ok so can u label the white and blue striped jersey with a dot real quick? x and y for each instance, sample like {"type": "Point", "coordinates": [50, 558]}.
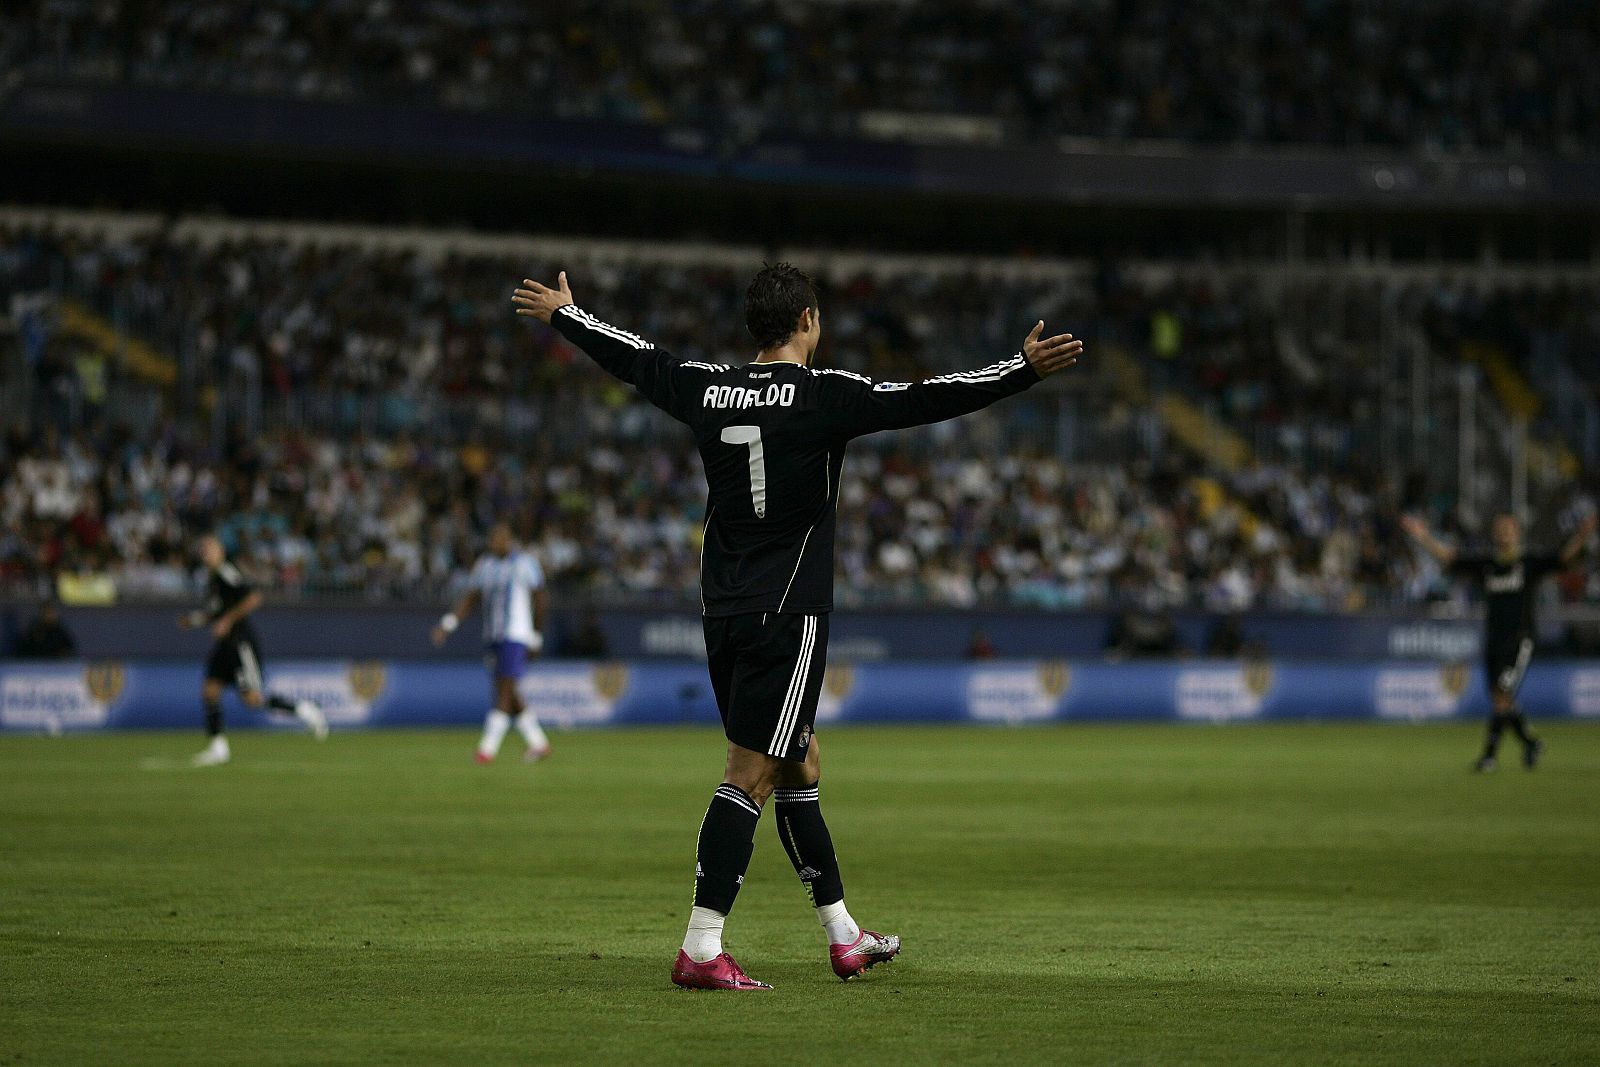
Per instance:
{"type": "Point", "coordinates": [506, 584]}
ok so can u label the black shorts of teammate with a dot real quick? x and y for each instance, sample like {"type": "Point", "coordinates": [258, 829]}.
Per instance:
{"type": "Point", "coordinates": [766, 670]}
{"type": "Point", "coordinates": [236, 662]}
{"type": "Point", "coordinates": [1505, 663]}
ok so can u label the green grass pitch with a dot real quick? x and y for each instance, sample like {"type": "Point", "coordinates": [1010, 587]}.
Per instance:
{"type": "Point", "coordinates": [1268, 894]}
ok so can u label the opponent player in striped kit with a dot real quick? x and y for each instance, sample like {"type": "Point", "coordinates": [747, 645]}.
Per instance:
{"type": "Point", "coordinates": [510, 584]}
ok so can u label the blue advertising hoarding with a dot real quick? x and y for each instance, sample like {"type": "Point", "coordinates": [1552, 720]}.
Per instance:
{"type": "Point", "coordinates": [60, 697]}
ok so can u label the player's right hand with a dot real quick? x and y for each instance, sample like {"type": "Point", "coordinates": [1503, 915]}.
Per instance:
{"type": "Point", "coordinates": [1051, 354]}
{"type": "Point", "coordinates": [438, 636]}
{"type": "Point", "coordinates": [1414, 526]}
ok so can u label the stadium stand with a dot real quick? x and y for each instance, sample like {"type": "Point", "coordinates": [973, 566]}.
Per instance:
{"type": "Point", "coordinates": [1435, 75]}
{"type": "Point", "coordinates": [189, 374]}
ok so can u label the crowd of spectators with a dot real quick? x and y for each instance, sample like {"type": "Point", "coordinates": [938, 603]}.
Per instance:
{"type": "Point", "coordinates": [922, 521]}
{"type": "Point", "coordinates": [610, 493]}
{"type": "Point", "coordinates": [1431, 74]}
{"type": "Point", "coordinates": [1299, 363]}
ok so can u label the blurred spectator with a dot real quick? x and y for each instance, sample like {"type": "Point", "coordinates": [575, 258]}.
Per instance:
{"type": "Point", "coordinates": [46, 637]}
{"type": "Point", "coordinates": [588, 639]}
{"type": "Point", "coordinates": [1225, 639]}
{"type": "Point", "coordinates": [1143, 633]}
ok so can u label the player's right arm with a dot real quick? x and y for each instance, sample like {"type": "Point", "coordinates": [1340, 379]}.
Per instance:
{"type": "Point", "coordinates": [1432, 545]}
{"type": "Point", "coordinates": [665, 382]}
{"type": "Point", "coordinates": [859, 405]}
{"type": "Point", "coordinates": [451, 620]}
{"type": "Point", "coordinates": [1578, 543]}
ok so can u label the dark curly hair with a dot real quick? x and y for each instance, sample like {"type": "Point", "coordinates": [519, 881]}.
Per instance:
{"type": "Point", "coordinates": [772, 305]}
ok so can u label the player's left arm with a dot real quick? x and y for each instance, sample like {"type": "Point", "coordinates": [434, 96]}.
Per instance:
{"type": "Point", "coordinates": [862, 406]}
{"type": "Point", "coordinates": [662, 379]}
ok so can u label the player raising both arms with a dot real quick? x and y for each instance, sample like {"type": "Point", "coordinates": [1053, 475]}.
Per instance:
{"type": "Point", "coordinates": [511, 585]}
{"type": "Point", "coordinates": [235, 657]}
{"type": "Point", "coordinates": [772, 434]}
{"type": "Point", "coordinates": [1508, 578]}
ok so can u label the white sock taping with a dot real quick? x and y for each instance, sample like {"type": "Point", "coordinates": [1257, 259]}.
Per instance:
{"type": "Point", "coordinates": [494, 732]}
{"type": "Point", "coordinates": [703, 941]}
{"type": "Point", "coordinates": [528, 726]}
{"type": "Point", "coordinates": [837, 924]}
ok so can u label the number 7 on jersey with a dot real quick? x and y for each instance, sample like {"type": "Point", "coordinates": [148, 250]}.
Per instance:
{"type": "Point", "coordinates": [751, 435]}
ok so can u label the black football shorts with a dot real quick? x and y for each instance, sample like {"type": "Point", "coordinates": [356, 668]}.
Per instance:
{"type": "Point", "coordinates": [235, 661]}
{"type": "Point", "coordinates": [1506, 664]}
{"type": "Point", "coordinates": [766, 670]}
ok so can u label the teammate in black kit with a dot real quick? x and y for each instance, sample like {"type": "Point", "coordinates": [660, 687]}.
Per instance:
{"type": "Point", "coordinates": [772, 434]}
{"type": "Point", "coordinates": [1508, 578]}
{"type": "Point", "coordinates": [235, 659]}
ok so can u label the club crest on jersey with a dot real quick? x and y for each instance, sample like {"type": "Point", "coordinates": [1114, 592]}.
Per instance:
{"type": "Point", "coordinates": [739, 396]}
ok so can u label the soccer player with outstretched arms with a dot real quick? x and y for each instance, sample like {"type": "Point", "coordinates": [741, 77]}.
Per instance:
{"type": "Point", "coordinates": [1508, 578]}
{"type": "Point", "coordinates": [772, 434]}
{"type": "Point", "coordinates": [235, 658]}
{"type": "Point", "coordinates": [510, 584]}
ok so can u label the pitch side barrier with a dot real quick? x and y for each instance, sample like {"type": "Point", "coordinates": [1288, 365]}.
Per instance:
{"type": "Point", "coordinates": [69, 696]}
{"type": "Point", "coordinates": [363, 632]}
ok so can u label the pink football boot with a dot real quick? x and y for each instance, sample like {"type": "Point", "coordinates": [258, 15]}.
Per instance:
{"type": "Point", "coordinates": [719, 973]}
{"type": "Point", "coordinates": [869, 950]}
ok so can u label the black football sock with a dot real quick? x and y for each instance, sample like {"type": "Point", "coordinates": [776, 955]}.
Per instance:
{"type": "Point", "coordinates": [1519, 723]}
{"type": "Point", "coordinates": [1491, 743]}
{"type": "Point", "coordinates": [280, 704]}
{"type": "Point", "coordinates": [806, 839]}
{"type": "Point", "coordinates": [727, 838]}
{"type": "Point", "coordinates": [213, 717]}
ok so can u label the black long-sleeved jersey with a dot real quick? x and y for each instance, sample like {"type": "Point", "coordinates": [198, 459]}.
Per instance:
{"type": "Point", "coordinates": [772, 437]}
{"type": "Point", "coordinates": [225, 588]}
{"type": "Point", "coordinates": [1508, 588]}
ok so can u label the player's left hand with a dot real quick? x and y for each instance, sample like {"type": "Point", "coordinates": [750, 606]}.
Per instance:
{"type": "Point", "coordinates": [541, 301]}
{"type": "Point", "coordinates": [220, 628]}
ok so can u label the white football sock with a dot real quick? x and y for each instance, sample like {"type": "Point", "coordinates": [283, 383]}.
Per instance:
{"type": "Point", "coordinates": [528, 726]}
{"type": "Point", "coordinates": [837, 924]}
{"type": "Point", "coordinates": [704, 939]}
{"type": "Point", "coordinates": [494, 732]}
